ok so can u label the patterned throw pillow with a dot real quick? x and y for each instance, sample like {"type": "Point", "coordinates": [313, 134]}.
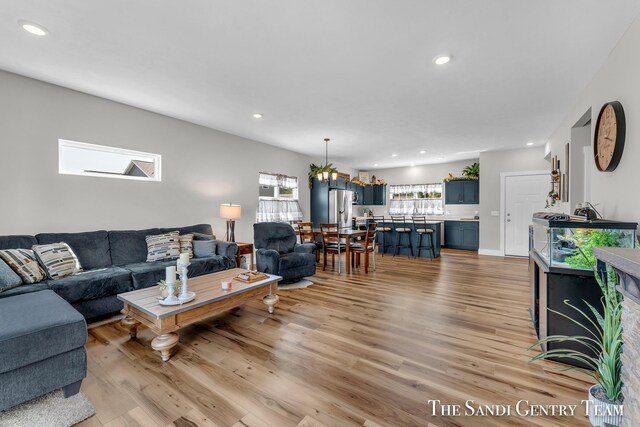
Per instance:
{"type": "Point", "coordinates": [186, 244]}
{"type": "Point", "coordinates": [23, 262]}
{"type": "Point", "coordinates": [162, 247]}
{"type": "Point", "coordinates": [8, 278]}
{"type": "Point", "coordinates": [57, 259]}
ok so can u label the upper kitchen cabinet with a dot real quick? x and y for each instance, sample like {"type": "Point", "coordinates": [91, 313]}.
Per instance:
{"type": "Point", "coordinates": [374, 195]}
{"type": "Point", "coordinates": [462, 192]}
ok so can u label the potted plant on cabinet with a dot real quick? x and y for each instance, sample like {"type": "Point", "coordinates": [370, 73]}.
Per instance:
{"type": "Point", "coordinates": [605, 398]}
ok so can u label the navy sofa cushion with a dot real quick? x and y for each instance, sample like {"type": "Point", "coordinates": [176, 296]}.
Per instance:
{"type": "Point", "coordinates": [212, 264]}
{"type": "Point", "coordinates": [48, 326]}
{"type": "Point", "coordinates": [147, 274]}
{"type": "Point", "coordinates": [8, 278]}
{"type": "Point", "coordinates": [17, 242]}
{"type": "Point", "coordinates": [93, 284]}
{"type": "Point", "coordinates": [25, 289]}
{"type": "Point", "coordinates": [274, 235]}
{"type": "Point", "coordinates": [91, 248]}
{"type": "Point", "coordinates": [130, 247]}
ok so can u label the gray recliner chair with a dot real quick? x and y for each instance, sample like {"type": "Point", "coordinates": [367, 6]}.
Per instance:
{"type": "Point", "coordinates": [277, 252]}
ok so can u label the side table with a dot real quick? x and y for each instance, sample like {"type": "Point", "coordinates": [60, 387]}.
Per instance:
{"type": "Point", "coordinates": [245, 249]}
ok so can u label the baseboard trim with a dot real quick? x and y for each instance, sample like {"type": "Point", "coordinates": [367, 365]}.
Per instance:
{"type": "Point", "coordinates": [490, 252]}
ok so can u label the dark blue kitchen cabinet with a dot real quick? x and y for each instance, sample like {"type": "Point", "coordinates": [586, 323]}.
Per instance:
{"type": "Point", "coordinates": [374, 195]}
{"type": "Point", "coordinates": [319, 202]}
{"type": "Point", "coordinates": [462, 234]}
{"type": "Point", "coordinates": [462, 192]}
{"type": "Point", "coordinates": [338, 184]}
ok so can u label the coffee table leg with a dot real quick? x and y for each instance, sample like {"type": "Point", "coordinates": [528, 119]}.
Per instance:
{"type": "Point", "coordinates": [164, 344]}
{"type": "Point", "coordinates": [271, 300]}
{"type": "Point", "coordinates": [131, 325]}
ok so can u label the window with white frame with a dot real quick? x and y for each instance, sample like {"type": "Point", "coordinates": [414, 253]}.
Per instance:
{"type": "Point", "coordinates": [278, 198]}
{"type": "Point", "coordinates": [416, 199]}
{"type": "Point", "coordinates": [81, 158]}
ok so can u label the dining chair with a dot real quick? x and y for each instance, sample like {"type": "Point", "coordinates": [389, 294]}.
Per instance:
{"type": "Point", "coordinates": [305, 231]}
{"type": "Point", "coordinates": [421, 227]}
{"type": "Point", "coordinates": [331, 244]}
{"type": "Point", "coordinates": [400, 227]}
{"type": "Point", "coordinates": [383, 229]}
{"type": "Point", "coordinates": [369, 247]}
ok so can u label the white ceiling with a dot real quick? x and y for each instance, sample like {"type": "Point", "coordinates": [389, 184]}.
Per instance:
{"type": "Point", "coordinates": [358, 71]}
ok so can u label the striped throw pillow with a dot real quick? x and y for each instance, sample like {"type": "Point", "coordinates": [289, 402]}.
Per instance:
{"type": "Point", "coordinates": [186, 244]}
{"type": "Point", "coordinates": [162, 247]}
{"type": "Point", "coordinates": [24, 263]}
{"type": "Point", "coordinates": [57, 259]}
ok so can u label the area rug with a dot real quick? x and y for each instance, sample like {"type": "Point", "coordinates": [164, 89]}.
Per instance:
{"type": "Point", "coordinates": [51, 410]}
{"type": "Point", "coordinates": [304, 283]}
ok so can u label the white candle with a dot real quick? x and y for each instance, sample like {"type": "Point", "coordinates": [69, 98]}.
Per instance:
{"type": "Point", "coordinates": [184, 259]}
{"type": "Point", "coordinates": [171, 274]}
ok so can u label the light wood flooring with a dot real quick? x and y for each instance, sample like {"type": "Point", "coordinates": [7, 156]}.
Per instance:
{"type": "Point", "coordinates": [365, 350]}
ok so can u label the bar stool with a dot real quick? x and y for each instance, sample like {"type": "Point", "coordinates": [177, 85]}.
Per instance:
{"type": "Point", "coordinates": [420, 225]}
{"type": "Point", "coordinates": [400, 227]}
{"type": "Point", "coordinates": [382, 229]}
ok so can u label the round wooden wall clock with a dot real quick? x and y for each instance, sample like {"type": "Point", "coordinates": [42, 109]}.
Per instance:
{"type": "Point", "coordinates": [608, 141]}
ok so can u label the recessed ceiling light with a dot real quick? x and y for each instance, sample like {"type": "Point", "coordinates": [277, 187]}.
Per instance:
{"type": "Point", "coordinates": [257, 115]}
{"type": "Point", "coordinates": [33, 28]}
{"type": "Point", "coordinates": [529, 143]}
{"type": "Point", "coordinates": [412, 165]}
{"type": "Point", "coordinates": [375, 164]}
{"type": "Point", "coordinates": [441, 59]}
{"type": "Point", "coordinates": [440, 158]}
{"type": "Point", "coordinates": [422, 151]}
{"type": "Point", "coordinates": [394, 155]}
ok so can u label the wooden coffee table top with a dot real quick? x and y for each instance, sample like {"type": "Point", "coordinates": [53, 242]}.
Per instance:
{"type": "Point", "coordinates": [207, 289]}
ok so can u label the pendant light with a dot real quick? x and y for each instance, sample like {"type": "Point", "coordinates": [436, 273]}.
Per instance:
{"type": "Point", "coordinates": [324, 175]}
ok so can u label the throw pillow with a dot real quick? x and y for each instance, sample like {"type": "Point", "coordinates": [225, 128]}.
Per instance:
{"type": "Point", "coordinates": [23, 262]}
{"type": "Point", "coordinates": [57, 259]}
{"type": "Point", "coordinates": [8, 278]}
{"type": "Point", "coordinates": [202, 236]}
{"type": "Point", "coordinates": [204, 248]}
{"type": "Point", "coordinates": [186, 244]}
{"type": "Point", "coordinates": [162, 247]}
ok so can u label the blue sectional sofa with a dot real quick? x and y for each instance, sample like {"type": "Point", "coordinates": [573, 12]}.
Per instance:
{"type": "Point", "coordinates": [113, 262]}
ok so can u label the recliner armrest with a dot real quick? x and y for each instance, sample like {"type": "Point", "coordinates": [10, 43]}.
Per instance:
{"type": "Point", "coordinates": [305, 248]}
{"type": "Point", "coordinates": [268, 261]}
{"type": "Point", "coordinates": [229, 249]}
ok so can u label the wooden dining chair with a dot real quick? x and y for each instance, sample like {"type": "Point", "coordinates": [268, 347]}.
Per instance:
{"type": "Point", "coordinates": [305, 231]}
{"type": "Point", "coordinates": [331, 244]}
{"type": "Point", "coordinates": [369, 247]}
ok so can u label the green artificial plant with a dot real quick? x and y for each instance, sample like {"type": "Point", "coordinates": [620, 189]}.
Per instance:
{"type": "Point", "coordinates": [472, 171]}
{"type": "Point", "coordinates": [605, 342]}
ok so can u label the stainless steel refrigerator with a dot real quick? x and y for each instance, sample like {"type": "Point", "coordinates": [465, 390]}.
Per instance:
{"type": "Point", "coordinates": [340, 207]}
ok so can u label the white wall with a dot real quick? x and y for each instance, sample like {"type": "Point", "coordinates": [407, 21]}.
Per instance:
{"type": "Point", "coordinates": [492, 164]}
{"type": "Point", "coordinates": [422, 174]}
{"type": "Point", "coordinates": [201, 167]}
{"type": "Point", "coordinates": [614, 193]}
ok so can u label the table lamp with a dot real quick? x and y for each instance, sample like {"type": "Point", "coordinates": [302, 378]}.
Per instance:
{"type": "Point", "coordinates": [230, 212]}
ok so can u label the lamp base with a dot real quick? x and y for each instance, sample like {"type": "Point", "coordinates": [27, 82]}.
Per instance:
{"type": "Point", "coordinates": [231, 226]}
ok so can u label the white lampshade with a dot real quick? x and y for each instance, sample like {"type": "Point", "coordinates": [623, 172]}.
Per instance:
{"type": "Point", "coordinates": [325, 174]}
{"type": "Point", "coordinates": [230, 211]}
{"type": "Point", "coordinates": [334, 175]}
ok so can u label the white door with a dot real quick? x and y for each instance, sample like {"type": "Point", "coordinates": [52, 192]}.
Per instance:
{"type": "Point", "coordinates": [524, 195]}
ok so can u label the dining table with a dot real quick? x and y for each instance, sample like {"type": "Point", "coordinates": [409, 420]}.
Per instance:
{"type": "Point", "coordinates": [348, 234]}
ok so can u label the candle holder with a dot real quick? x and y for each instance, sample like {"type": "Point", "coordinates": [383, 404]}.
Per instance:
{"type": "Point", "coordinates": [185, 295]}
{"type": "Point", "coordinates": [171, 292]}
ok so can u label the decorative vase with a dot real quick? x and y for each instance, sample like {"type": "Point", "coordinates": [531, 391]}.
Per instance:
{"type": "Point", "coordinates": [601, 411]}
